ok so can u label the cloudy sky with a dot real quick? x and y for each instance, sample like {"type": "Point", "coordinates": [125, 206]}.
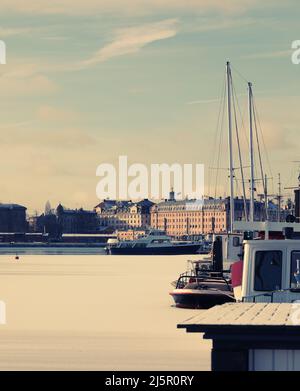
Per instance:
{"type": "Point", "coordinates": [89, 80]}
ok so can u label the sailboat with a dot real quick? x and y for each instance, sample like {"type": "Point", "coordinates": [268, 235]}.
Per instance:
{"type": "Point", "coordinates": [205, 287]}
{"type": "Point", "coordinates": [265, 269]}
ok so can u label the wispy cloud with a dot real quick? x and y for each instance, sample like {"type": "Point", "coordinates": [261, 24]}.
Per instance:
{"type": "Point", "coordinates": [22, 72]}
{"type": "Point", "coordinates": [214, 23]}
{"type": "Point", "coordinates": [274, 54]}
{"type": "Point", "coordinates": [133, 39]}
{"type": "Point", "coordinates": [35, 85]}
{"type": "Point", "coordinates": [10, 31]}
{"type": "Point", "coordinates": [125, 6]}
{"type": "Point", "coordinates": [196, 102]}
{"type": "Point", "coordinates": [213, 100]}
{"type": "Point", "coordinates": [239, 95]}
{"type": "Point", "coordinates": [50, 113]}
{"type": "Point", "coordinates": [16, 124]}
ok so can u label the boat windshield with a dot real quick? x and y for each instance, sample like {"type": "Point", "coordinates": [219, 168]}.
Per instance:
{"type": "Point", "coordinates": [160, 241]}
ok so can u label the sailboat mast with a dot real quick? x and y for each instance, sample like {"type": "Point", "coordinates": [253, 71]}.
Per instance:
{"type": "Point", "coordinates": [231, 169]}
{"type": "Point", "coordinates": [251, 219]}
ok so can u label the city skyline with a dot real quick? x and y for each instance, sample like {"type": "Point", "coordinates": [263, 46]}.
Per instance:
{"type": "Point", "coordinates": [87, 82]}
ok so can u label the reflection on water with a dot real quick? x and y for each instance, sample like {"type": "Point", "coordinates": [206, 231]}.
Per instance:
{"type": "Point", "coordinates": [95, 312]}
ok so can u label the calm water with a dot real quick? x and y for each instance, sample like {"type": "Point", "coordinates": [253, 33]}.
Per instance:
{"type": "Point", "coordinates": [95, 312]}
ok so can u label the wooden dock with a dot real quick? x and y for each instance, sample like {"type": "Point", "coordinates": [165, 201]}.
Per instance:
{"type": "Point", "coordinates": [251, 336]}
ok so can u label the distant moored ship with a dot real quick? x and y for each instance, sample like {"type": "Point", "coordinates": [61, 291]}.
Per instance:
{"type": "Point", "coordinates": [156, 243]}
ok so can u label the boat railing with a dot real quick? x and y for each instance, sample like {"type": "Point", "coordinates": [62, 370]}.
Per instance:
{"type": "Point", "coordinates": [185, 279]}
{"type": "Point", "coordinates": [276, 295]}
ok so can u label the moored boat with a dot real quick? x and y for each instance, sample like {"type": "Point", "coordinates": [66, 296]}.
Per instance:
{"type": "Point", "coordinates": [203, 292]}
{"type": "Point", "coordinates": [155, 243]}
{"type": "Point", "coordinates": [206, 284]}
{"type": "Point", "coordinates": [270, 268]}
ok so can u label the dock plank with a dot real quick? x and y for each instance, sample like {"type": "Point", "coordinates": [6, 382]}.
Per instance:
{"type": "Point", "coordinates": [243, 314]}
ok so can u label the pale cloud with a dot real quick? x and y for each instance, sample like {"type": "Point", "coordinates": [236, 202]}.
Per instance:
{"type": "Point", "coordinates": [133, 39]}
{"type": "Point", "coordinates": [50, 113]}
{"type": "Point", "coordinates": [124, 41]}
{"type": "Point", "coordinates": [271, 134]}
{"type": "Point", "coordinates": [266, 55]}
{"type": "Point", "coordinates": [16, 124]}
{"type": "Point", "coordinates": [20, 68]}
{"type": "Point", "coordinates": [20, 77]}
{"type": "Point", "coordinates": [56, 38]}
{"type": "Point", "coordinates": [10, 31]}
{"type": "Point", "coordinates": [215, 100]}
{"type": "Point", "coordinates": [47, 159]}
{"type": "Point", "coordinates": [195, 102]}
{"type": "Point", "coordinates": [222, 23]}
{"type": "Point", "coordinates": [124, 6]}
{"type": "Point", "coordinates": [34, 85]}
{"type": "Point", "coordinates": [68, 138]}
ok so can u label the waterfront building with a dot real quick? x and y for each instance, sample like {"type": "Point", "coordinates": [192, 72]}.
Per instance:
{"type": "Point", "coordinates": [76, 220]}
{"type": "Point", "coordinates": [186, 218]}
{"type": "Point", "coordinates": [59, 221]}
{"type": "Point", "coordinates": [48, 223]}
{"type": "Point", "coordinates": [124, 215]}
{"type": "Point", "coordinates": [13, 218]}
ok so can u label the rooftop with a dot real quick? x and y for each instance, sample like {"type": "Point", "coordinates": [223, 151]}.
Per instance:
{"type": "Point", "coordinates": [245, 315]}
{"type": "Point", "coordinates": [12, 206]}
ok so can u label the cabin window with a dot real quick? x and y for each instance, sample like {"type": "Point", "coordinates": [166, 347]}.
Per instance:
{"type": "Point", "coordinates": [268, 271]}
{"type": "Point", "coordinates": [295, 270]}
{"type": "Point", "coordinates": [236, 241]}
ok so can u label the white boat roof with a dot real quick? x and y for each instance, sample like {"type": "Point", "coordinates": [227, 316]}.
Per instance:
{"type": "Point", "coordinates": [274, 244]}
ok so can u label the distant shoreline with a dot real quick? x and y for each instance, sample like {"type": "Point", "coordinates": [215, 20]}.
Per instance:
{"type": "Point", "coordinates": [51, 249]}
{"type": "Point", "coordinates": [47, 245]}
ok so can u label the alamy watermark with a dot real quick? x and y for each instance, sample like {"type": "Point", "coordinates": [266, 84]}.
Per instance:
{"type": "Point", "coordinates": [2, 53]}
{"type": "Point", "coordinates": [296, 52]}
{"type": "Point", "coordinates": [138, 181]}
{"type": "Point", "coordinates": [2, 313]}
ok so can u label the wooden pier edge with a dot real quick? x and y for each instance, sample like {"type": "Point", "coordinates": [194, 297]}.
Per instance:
{"type": "Point", "coordinates": [247, 336]}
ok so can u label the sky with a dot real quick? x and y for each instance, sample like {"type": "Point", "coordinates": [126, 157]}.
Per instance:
{"type": "Point", "coordinates": [87, 81]}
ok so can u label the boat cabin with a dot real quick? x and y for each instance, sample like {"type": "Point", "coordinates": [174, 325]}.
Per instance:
{"type": "Point", "coordinates": [231, 246]}
{"type": "Point", "coordinates": [269, 272]}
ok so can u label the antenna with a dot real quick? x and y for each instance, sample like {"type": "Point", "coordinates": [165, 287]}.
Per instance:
{"type": "Point", "coordinates": [266, 197]}
{"type": "Point", "coordinates": [297, 196]}
{"type": "Point", "coordinates": [279, 197]}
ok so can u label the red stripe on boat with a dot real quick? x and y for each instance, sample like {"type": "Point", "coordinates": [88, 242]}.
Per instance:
{"type": "Point", "coordinates": [236, 273]}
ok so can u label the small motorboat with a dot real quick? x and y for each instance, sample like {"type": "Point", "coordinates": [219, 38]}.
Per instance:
{"type": "Point", "coordinates": [205, 283]}
{"type": "Point", "coordinates": [203, 291]}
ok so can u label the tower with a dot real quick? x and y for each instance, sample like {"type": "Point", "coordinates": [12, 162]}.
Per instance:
{"type": "Point", "coordinates": [172, 195]}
